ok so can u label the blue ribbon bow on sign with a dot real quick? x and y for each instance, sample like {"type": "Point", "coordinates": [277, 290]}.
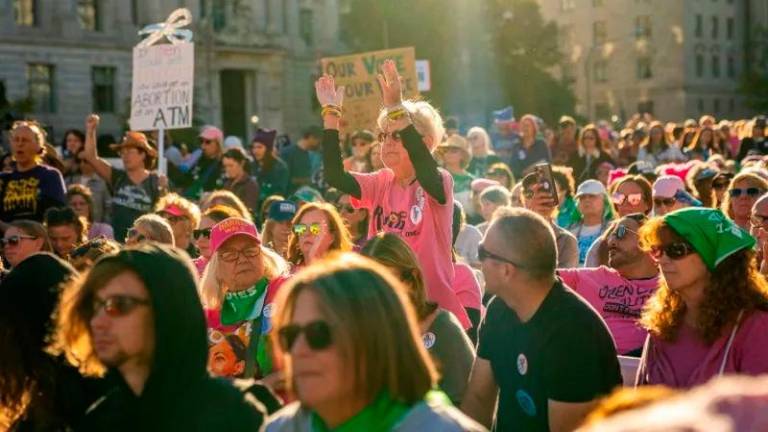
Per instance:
{"type": "Point", "coordinates": [170, 29]}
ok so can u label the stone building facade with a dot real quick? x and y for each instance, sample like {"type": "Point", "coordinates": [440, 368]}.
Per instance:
{"type": "Point", "coordinates": [254, 59]}
{"type": "Point", "coordinates": [673, 58]}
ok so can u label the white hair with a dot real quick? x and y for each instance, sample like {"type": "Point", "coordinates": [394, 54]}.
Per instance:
{"type": "Point", "coordinates": [426, 119]}
{"type": "Point", "coordinates": [484, 138]}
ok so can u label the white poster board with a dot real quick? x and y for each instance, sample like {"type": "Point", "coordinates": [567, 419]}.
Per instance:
{"type": "Point", "coordinates": [423, 74]}
{"type": "Point", "coordinates": [163, 81]}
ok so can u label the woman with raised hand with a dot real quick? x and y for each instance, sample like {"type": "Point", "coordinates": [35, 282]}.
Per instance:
{"type": "Point", "coordinates": [411, 196]}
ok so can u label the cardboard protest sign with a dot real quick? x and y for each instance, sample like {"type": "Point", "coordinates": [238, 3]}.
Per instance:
{"type": "Point", "coordinates": [163, 81]}
{"type": "Point", "coordinates": [357, 73]}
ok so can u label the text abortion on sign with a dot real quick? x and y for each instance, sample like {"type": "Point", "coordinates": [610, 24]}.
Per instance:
{"type": "Point", "coordinates": [357, 73]}
{"type": "Point", "coordinates": [163, 80]}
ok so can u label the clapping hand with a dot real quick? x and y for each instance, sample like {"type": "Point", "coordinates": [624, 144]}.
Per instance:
{"type": "Point", "coordinates": [391, 84]}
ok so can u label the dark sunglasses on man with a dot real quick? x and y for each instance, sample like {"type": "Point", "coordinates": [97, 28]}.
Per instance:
{"type": "Point", "coordinates": [318, 335]}
{"type": "Point", "coordinates": [14, 240]}
{"type": "Point", "coordinates": [666, 202]}
{"type": "Point", "coordinates": [117, 305]}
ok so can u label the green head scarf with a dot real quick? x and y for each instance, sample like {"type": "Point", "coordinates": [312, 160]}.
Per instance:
{"type": "Point", "coordinates": [710, 232]}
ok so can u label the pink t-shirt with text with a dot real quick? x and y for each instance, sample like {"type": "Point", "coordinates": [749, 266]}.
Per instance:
{"type": "Point", "coordinates": [422, 222]}
{"type": "Point", "coordinates": [466, 286]}
{"type": "Point", "coordinates": [617, 299]}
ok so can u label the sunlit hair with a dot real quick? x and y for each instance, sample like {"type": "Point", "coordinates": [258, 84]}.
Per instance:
{"type": "Point", "coordinates": [484, 138]}
{"type": "Point", "coordinates": [645, 189]}
{"type": "Point", "coordinates": [213, 288]}
{"type": "Point", "coordinates": [625, 399]}
{"type": "Point", "coordinates": [226, 198]}
{"type": "Point", "coordinates": [342, 241]}
{"type": "Point", "coordinates": [34, 229]}
{"type": "Point", "coordinates": [698, 136]}
{"type": "Point", "coordinates": [534, 123]}
{"type": "Point", "coordinates": [500, 168]}
{"type": "Point", "coordinates": [83, 256]}
{"type": "Point", "coordinates": [563, 176]}
{"type": "Point", "coordinates": [391, 251]}
{"type": "Point", "coordinates": [647, 143]}
{"type": "Point", "coordinates": [735, 284]}
{"type": "Point", "coordinates": [426, 119]}
{"type": "Point", "coordinates": [62, 216]}
{"type": "Point", "coordinates": [599, 145]}
{"type": "Point", "coordinates": [528, 240]}
{"type": "Point", "coordinates": [157, 228]}
{"type": "Point", "coordinates": [39, 132]}
{"type": "Point", "coordinates": [752, 179]}
{"type": "Point", "coordinates": [374, 326]}
{"type": "Point", "coordinates": [84, 192]}
{"type": "Point", "coordinates": [191, 210]}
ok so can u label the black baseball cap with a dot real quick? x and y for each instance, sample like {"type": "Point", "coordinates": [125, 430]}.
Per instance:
{"type": "Point", "coordinates": [281, 211]}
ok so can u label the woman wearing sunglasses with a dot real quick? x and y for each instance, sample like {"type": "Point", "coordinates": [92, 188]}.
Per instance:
{"type": "Point", "coordinates": [357, 368]}
{"type": "Point", "coordinates": [710, 314]}
{"type": "Point", "coordinates": [441, 334]}
{"type": "Point", "coordinates": [22, 239]}
{"type": "Point", "coordinates": [355, 219]}
{"type": "Point", "coordinates": [149, 227]}
{"type": "Point", "coordinates": [360, 146]}
{"type": "Point", "coordinates": [238, 289]}
{"type": "Point", "coordinates": [183, 216]}
{"type": "Point", "coordinates": [741, 195]}
{"type": "Point", "coordinates": [317, 230]}
{"type": "Point", "coordinates": [202, 234]}
{"type": "Point", "coordinates": [412, 197]}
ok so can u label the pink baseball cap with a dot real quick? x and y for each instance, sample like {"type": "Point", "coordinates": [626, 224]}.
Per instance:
{"type": "Point", "coordinates": [173, 210]}
{"type": "Point", "coordinates": [228, 228]}
{"type": "Point", "coordinates": [667, 186]}
{"type": "Point", "coordinates": [212, 133]}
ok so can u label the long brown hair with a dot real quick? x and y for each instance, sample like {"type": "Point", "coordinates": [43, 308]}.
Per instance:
{"type": "Point", "coordinates": [391, 251]}
{"type": "Point", "coordinates": [373, 325]}
{"type": "Point", "coordinates": [735, 285]}
{"type": "Point", "coordinates": [341, 239]}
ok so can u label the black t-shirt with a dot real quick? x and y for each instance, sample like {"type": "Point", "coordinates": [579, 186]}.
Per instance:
{"type": "Point", "coordinates": [753, 146]}
{"type": "Point", "coordinates": [301, 166]}
{"type": "Point", "coordinates": [563, 353]}
{"type": "Point", "coordinates": [28, 194]}
{"type": "Point", "coordinates": [130, 201]}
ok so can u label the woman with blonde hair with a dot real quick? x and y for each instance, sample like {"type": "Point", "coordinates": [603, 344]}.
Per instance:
{"type": "Point", "coordinates": [183, 216]}
{"type": "Point", "coordinates": [317, 230]}
{"type": "Point", "coordinates": [238, 291]}
{"type": "Point", "coordinates": [411, 197]}
{"type": "Point", "coordinates": [225, 198]}
{"type": "Point", "coordinates": [442, 335]}
{"type": "Point", "coordinates": [32, 187]}
{"type": "Point", "coordinates": [354, 357]}
{"type": "Point", "coordinates": [657, 149]}
{"type": "Point", "coordinates": [482, 151]}
{"type": "Point", "coordinates": [741, 195]}
{"type": "Point", "coordinates": [150, 227]}
{"type": "Point", "coordinates": [710, 314]}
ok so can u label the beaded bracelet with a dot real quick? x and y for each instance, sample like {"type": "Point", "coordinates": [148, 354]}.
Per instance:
{"type": "Point", "coordinates": [397, 114]}
{"type": "Point", "coordinates": [332, 110]}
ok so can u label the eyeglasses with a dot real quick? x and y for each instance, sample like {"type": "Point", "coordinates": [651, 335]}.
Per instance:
{"type": "Point", "coordinates": [117, 305]}
{"type": "Point", "coordinates": [621, 199]}
{"type": "Point", "coordinates": [301, 229]}
{"type": "Point", "coordinates": [205, 232]}
{"type": "Point", "coordinates": [394, 134]}
{"type": "Point", "coordinates": [14, 240]}
{"type": "Point", "coordinates": [665, 202]}
{"type": "Point", "coordinates": [719, 185]}
{"type": "Point", "coordinates": [483, 254]}
{"type": "Point", "coordinates": [752, 192]}
{"type": "Point", "coordinates": [674, 251]}
{"type": "Point", "coordinates": [346, 208]}
{"type": "Point", "coordinates": [232, 255]}
{"type": "Point", "coordinates": [135, 235]}
{"type": "Point", "coordinates": [621, 231]}
{"type": "Point", "coordinates": [759, 220]}
{"type": "Point", "coordinates": [317, 333]}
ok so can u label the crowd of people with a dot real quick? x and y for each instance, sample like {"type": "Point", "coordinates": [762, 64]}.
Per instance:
{"type": "Point", "coordinates": [518, 277]}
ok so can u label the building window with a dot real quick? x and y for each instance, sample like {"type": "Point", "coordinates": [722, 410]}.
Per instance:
{"type": "Point", "coordinates": [716, 106]}
{"type": "Point", "coordinates": [88, 15]}
{"type": "Point", "coordinates": [730, 28]}
{"type": "Point", "coordinates": [644, 107]}
{"type": "Point", "coordinates": [716, 66]}
{"type": "Point", "coordinates": [567, 5]}
{"type": "Point", "coordinates": [699, 65]}
{"type": "Point", "coordinates": [25, 12]}
{"type": "Point", "coordinates": [643, 27]}
{"type": "Point", "coordinates": [700, 106]}
{"type": "Point", "coordinates": [602, 110]}
{"type": "Point", "coordinates": [40, 82]}
{"type": "Point", "coordinates": [103, 88]}
{"type": "Point", "coordinates": [135, 12]}
{"type": "Point", "coordinates": [731, 67]}
{"type": "Point", "coordinates": [218, 14]}
{"type": "Point", "coordinates": [306, 24]}
{"type": "Point", "coordinates": [599, 33]}
{"type": "Point", "coordinates": [286, 16]}
{"type": "Point", "coordinates": [600, 71]}
{"type": "Point", "coordinates": [699, 30]}
{"type": "Point", "coordinates": [715, 27]}
{"type": "Point", "coordinates": [644, 68]}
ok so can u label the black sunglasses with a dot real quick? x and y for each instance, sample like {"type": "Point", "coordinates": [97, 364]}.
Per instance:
{"type": "Point", "coordinates": [750, 192]}
{"type": "Point", "coordinates": [674, 251]}
{"type": "Point", "coordinates": [666, 202]}
{"type": "Point", "coordinates": [621, 231]}
{"type": "Point", "coordinates": [483, 254]}
{"type": "Point", "coordinates": [317, 333]}
{"type": "Point", "coordinates": [14, 240]}
{"type": "Point", "coordinates": [205, 232]}
{"type": "Point", "coordinates": [346, 208]}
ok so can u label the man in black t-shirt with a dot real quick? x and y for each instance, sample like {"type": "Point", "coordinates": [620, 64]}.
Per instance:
{"type": "Point", "coordinates": [543, 351]}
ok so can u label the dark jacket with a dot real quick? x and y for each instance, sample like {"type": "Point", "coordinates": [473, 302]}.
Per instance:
{"type": "Point", "coordinates": [587, 170]}
{"type": "Point", "coordinates": [247, 190]}
{"type": "Point", "coordinates": [179, 395]}
{"type": "Point", "coordinates": [273, 181]}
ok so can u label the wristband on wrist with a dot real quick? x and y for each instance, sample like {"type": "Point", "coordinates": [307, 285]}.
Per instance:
{"type": "Point", "coordinates": [331, 110]}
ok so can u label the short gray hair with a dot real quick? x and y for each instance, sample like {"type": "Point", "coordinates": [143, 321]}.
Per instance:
{"type": "Point", "coordinates": [157, 228]}
{"type": "Point", "coordinates": [497, 195]}
{"type": "Point", "coordinates": [528, 239]}
{"type": "Point", "coordinates": [426, 119]}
